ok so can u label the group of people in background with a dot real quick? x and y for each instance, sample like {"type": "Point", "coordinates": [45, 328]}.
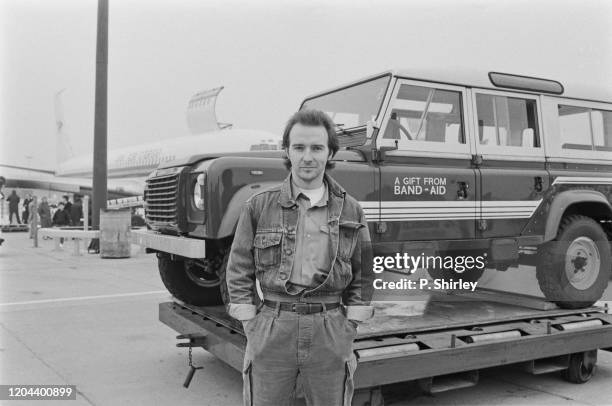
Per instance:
{"type": "Point", "coordinates": [67, 213]}
{"type": "Point", "coordinates": [64, 213]}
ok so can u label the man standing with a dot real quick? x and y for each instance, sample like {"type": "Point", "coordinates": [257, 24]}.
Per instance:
{"type": "Point", "coordinates": [302, 240]}
{"type": "Point", "coordinates": [13, 200]}
{"type": "Point", "coordinates": [45, 213]}
{"type": "Point", "coordinates": [76, 211]}
{"type": "Point", "coordinates": [26, 209]}
{"type": "Point", "coordinates": [67, 204]}
{"type": "Point", "coordinates": [61, 218]}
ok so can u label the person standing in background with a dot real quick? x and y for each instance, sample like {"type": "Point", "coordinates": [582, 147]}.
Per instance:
{"type": "Point", "coordinates": [67, 204]}
{"type": "Point", "coordinates": [45, 214]}
{"type": "Point", "coordinates": [13, 200]}
{"type": "Point", "coordinates": [61, 218]}
{"type": "Point", "coordinates": [2, 182]}
{"type": "Point", "coordinates": [76, 211]}
{"type": "Point", "coordinates": [26, 209]}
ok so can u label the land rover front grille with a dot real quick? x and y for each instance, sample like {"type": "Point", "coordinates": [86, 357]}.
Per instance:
{"type": "Point", "coordinates": [160, 198]}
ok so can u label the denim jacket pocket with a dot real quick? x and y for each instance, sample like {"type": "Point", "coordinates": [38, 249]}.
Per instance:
{"type": "Point", "coordinates": [348, 238]}
{"type": "Point", "coordinates": [267, 247]}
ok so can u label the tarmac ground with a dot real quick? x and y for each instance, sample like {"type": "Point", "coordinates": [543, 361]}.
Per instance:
{"type": "Point", "coordinates": [93, 323]}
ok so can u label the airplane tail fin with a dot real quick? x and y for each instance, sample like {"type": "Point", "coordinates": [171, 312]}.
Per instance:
{"type": "Point", "coordinates": [63, 149]}
{"type": "Point", "coordinates": [201, 115]}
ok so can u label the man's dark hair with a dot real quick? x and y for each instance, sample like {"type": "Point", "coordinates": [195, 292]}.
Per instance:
{"type": "Point", "coordinates": [312, 118]}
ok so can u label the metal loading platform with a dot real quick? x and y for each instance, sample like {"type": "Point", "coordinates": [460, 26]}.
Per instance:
{"type": "Point", "coordinates": [440, 342]}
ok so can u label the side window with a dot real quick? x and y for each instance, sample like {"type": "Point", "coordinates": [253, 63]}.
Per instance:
{"type": "Point", "coordinates": [575, 127]}
{"type": "Point", "coordinates": [585, 128]}
{"type": "Point", "coordinates": [602, 129]}
{"type": "Point", "coordinates": [425, 114]}
{"type": "Point", "coordinates": [507, 121]}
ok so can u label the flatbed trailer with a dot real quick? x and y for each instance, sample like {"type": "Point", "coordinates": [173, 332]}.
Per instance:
{"type": "Point", "coordinates": [440, 342]}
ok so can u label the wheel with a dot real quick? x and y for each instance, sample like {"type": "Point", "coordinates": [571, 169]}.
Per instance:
{"type": "Point", "coordinates": [190, 284]}
{"type": "Point", "coordinates": [573, 270]}
{"type": "Point", "coordinates": [581, 367]}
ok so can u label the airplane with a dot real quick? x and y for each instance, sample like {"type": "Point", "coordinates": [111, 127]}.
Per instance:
{"type": "Point", "coordinates": [128, 167]}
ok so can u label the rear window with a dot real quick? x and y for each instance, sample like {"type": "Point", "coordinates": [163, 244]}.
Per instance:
{"type": "Point", "coordinates": [583, 128]}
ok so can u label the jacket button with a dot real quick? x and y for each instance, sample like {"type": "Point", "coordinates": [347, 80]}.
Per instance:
{"type": "Point", "coordinates": [283, 276]}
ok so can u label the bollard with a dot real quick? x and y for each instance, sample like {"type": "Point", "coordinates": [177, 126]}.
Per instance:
{"type": "Point", "coordinates": [2, 202]}
{"type": "Point", "coordinates": [115, 237]}
{"type": "Point", "coordinates": [34, 222]}
{"type": "Point", "coordinates": [86, 212]}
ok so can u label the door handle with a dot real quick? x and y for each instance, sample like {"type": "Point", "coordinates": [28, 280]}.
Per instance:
{"type": "Point", "coordinates": [462, 193]}
{"type": "Point", "coordinates": [537, 184]}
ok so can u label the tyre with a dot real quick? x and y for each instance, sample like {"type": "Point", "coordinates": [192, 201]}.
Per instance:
{"type": "Point", "coordinates": [581, 367]}
{"type": "Point", "coordinates": [190, 284]}
{"type": "Point", "coordinates": [573, 270]}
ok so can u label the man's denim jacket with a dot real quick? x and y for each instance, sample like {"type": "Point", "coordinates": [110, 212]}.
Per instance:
{"type": "Point", "coordinates": [264, 246]}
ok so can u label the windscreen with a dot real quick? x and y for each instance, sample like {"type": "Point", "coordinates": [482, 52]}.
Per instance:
{"type": "Point", "coordinates": [352, 106]}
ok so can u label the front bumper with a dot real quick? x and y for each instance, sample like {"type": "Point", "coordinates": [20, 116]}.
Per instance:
{"type": "Point", "coordinates": [182, 246]}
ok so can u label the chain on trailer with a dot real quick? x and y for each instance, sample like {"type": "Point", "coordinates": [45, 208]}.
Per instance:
{"type": "Point", "coordinates": [194, 340]}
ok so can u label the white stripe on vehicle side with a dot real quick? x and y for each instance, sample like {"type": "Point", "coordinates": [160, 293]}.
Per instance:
{"type": "Point", "coordinates": [451, 203]}
{"type": "Point", "coordinates": [416, 215]}
{"type": "Point", "coordinates": [440, 218]}
{"type": "Point", "coordinates": [400, 210]}
{"type": "Point", "coordinates": [452, 210]}
{"type": "Point", "coordinates": [427, 203]}
{"type": "Point", "coordinates": [397, 210]}
{"type": "Point", "coordinates": [456, 215]}
{"type": "Point", "coordinates": [581, 179]}
{"type": "Point", "coordinates": [437, 218]}
{"type": "Point", "coordinates": [369, 204]}
{"type": "Point", "coordinates": [513, 203]}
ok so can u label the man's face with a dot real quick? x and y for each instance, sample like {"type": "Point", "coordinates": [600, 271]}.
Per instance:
{"type": "Point", "coordinates": [308, 153]}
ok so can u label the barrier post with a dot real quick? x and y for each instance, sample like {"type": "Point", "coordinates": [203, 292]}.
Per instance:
{"type": "Point", "coordinates": [2, 210]}
{"type": "Point", "coordinates": [86, 213]}
{"type": "Point", "coordinates": [34, 222]}
{"type": "Point", "coordinates": [115, 237]}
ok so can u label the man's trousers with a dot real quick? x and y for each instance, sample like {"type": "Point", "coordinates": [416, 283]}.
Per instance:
{"type": "Point", "coordinates": [282, 345]}
{"type": "Point", "coordinates": [16, 213]}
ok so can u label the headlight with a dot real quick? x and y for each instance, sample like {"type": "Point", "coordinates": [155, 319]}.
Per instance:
{"type": "Point", "coordinates": [198, 196]}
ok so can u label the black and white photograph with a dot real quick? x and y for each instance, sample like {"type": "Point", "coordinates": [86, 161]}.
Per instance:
{"type": "Point", "coordinates": [309, 203]}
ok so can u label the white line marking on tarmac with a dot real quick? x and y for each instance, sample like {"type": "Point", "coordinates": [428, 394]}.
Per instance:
{"type": "Point", "coordinates": [70, 299]}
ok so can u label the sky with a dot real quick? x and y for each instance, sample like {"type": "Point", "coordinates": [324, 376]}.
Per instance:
{"type": "Point", "coordinates": [267, 54]}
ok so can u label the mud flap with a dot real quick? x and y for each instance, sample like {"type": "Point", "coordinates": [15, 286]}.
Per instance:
{"type": "Point", "coordinates": [247, 390]}
{"type": "Point", "coordinates": [349, 387]}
